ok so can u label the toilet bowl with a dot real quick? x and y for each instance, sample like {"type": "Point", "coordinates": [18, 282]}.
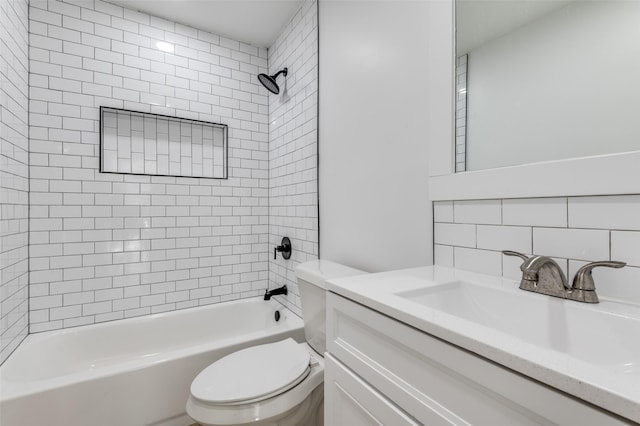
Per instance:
{"type": "Point", "coordinates": [278, 383]}
{"type": "Point", "coordinates": [274, 384]}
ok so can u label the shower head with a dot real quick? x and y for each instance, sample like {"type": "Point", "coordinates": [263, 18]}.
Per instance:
{"type": "Point", "coordinates": [269, 81]}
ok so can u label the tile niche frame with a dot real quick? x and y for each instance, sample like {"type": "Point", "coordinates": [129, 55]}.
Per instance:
{"type": "Point", "coordinates": [168, 119]}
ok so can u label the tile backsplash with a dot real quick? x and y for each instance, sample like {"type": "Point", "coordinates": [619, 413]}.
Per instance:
{"type": "Point", "coordinates": [573, 230]}
{"type": "Point", "coordinates": [14, 174]}
{"type": "Point", "coordinates": [110, 246]}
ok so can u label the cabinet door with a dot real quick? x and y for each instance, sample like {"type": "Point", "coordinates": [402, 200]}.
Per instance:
{"type": "Point", "coordinates": [349, 401]}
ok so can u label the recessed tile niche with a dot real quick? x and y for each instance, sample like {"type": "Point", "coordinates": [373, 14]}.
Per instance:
{"type": "Point", "coordinates": [141, 143]}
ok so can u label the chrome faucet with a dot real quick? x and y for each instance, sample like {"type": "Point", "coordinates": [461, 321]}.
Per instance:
{"type": "Point", "coordinates": [542, 274]}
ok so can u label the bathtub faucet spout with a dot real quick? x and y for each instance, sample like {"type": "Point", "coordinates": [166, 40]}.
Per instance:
{"type": "Point", "coordinates": [269, 293]}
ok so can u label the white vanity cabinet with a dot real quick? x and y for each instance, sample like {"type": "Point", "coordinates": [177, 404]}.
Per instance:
{"type": "Point", "coordinates": [353, 402]}
{"type": "Point", "coordinates": [381, 371]}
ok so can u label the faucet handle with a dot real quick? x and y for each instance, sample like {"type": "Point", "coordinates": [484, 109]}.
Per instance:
{"type": "Point", "coordinates": [583, 279]}
{"type": "Point", "coordinates": [515, 253]}
{"type": "Point", "coordinates": [528, 281]}
{"type": "Point", "coordinates": [284, 248]}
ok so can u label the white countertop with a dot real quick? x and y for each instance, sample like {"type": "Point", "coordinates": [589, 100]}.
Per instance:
{"type": "Point", "coordinates": [603, 385]}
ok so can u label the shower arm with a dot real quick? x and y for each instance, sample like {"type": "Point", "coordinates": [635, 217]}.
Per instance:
{"type": "Point", "coordinates": [282, 71]}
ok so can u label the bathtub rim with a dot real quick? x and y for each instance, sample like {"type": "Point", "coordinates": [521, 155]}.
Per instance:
{"type": "Point", "coordinates": [10, 390]}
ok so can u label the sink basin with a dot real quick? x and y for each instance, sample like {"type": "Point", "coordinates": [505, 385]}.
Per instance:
{"type": "Point", "coordinates": [601, 334]}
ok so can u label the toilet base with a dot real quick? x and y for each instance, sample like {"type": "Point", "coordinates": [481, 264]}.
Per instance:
{"type": "Point", "coordinates": [309, 412]}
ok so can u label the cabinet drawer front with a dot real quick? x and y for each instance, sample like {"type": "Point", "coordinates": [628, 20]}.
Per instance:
{"type": "Point", "coordinates": [354, 403]}
{"type": "Point", "coordinates": [439, 383]}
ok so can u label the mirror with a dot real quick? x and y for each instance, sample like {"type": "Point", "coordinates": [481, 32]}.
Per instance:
{"type": "Point", "coordinates": [545, 80]}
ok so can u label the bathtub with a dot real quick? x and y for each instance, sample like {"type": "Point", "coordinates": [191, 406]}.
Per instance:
{"type": "Point", "coordinates": [131, 372]}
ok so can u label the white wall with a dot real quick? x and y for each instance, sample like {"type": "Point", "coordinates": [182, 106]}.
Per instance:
{"type": "Point", "coordinates": [375, 212]}
{"type": "Point", "coordinates": [293, 149]}
{"type": "Point", "coordinates": [14, 174]}
{"type": "Point", "coordinates": [560, 87]}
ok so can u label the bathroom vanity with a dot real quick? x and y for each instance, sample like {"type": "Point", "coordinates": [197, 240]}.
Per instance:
{"type": "Point", "coordinates": [441, 346]}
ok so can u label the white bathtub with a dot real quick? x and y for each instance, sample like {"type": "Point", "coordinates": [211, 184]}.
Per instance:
{"type": "Point", "coordinates": [130, 372]}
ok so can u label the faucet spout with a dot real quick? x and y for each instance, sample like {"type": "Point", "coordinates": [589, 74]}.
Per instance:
{"type": "Point", "coordinates": [536, 266]}
{"type": "Point", "coordinates": [276, 291]}
{"type": "Point", "coordinates": [542, 274]}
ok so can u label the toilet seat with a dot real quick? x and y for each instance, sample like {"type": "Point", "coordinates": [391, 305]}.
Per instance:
{"type": "Point", "coordinates": [268, 405]}
{"type": "Point", "coordinates": [252, 374]}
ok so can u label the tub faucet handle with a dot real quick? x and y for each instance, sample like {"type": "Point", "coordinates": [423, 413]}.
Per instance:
{"type": "Point", "coordinates": [284, 248]}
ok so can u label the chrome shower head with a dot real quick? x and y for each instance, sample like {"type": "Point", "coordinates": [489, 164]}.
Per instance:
{"type": "Point", "coordinates": [269, 81]}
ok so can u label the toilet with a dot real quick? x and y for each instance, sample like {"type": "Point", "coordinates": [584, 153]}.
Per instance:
{"type": "Point", "coordinates": [278, 383]}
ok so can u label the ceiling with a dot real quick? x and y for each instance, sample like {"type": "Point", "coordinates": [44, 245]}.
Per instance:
{"type": "Point", "coordinates": [256, 22]}
{"type": "Point", "coordinates": [478, 21]}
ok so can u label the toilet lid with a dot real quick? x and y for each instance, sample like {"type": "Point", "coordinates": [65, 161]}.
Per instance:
{"type": "Point", "coordinates": [252, 373]}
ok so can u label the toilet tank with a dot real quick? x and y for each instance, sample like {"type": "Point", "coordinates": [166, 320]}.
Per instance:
{"type": "Point", "coordinates": [312, 277]}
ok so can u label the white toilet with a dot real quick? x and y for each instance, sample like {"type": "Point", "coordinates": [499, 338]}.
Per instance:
{"type": "Point", "coordinates": [278, 383]}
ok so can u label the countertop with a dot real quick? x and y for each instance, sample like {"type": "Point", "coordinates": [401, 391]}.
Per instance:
{"type": "Point", "coordinates": [605, 386]}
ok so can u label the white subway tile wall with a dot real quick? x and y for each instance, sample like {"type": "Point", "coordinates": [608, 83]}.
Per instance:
{"type": "Point", "coordinates": [573, 230]}
{"type": "Point", "coordinates": [293, 149]}
{"type": "Point", "coordinates": [111, 246]}
{"type": "Point", "coordinates": [14, 174]}
{"type": "Point", "coordinates": [551, 212]}
{"type": "Point", "coordinates": [484, 211]}
{"type": "Point", "coordinates": [619, 212]}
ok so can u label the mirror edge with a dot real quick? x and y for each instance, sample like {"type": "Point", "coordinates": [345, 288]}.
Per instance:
{"type": "Point", "coordinates": [599, 175]}
{"type": "Point", "coordinates": [440, 84]}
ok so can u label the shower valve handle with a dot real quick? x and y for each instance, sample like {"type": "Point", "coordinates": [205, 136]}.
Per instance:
{"type": "Point", "coordinates": [284, 248]}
